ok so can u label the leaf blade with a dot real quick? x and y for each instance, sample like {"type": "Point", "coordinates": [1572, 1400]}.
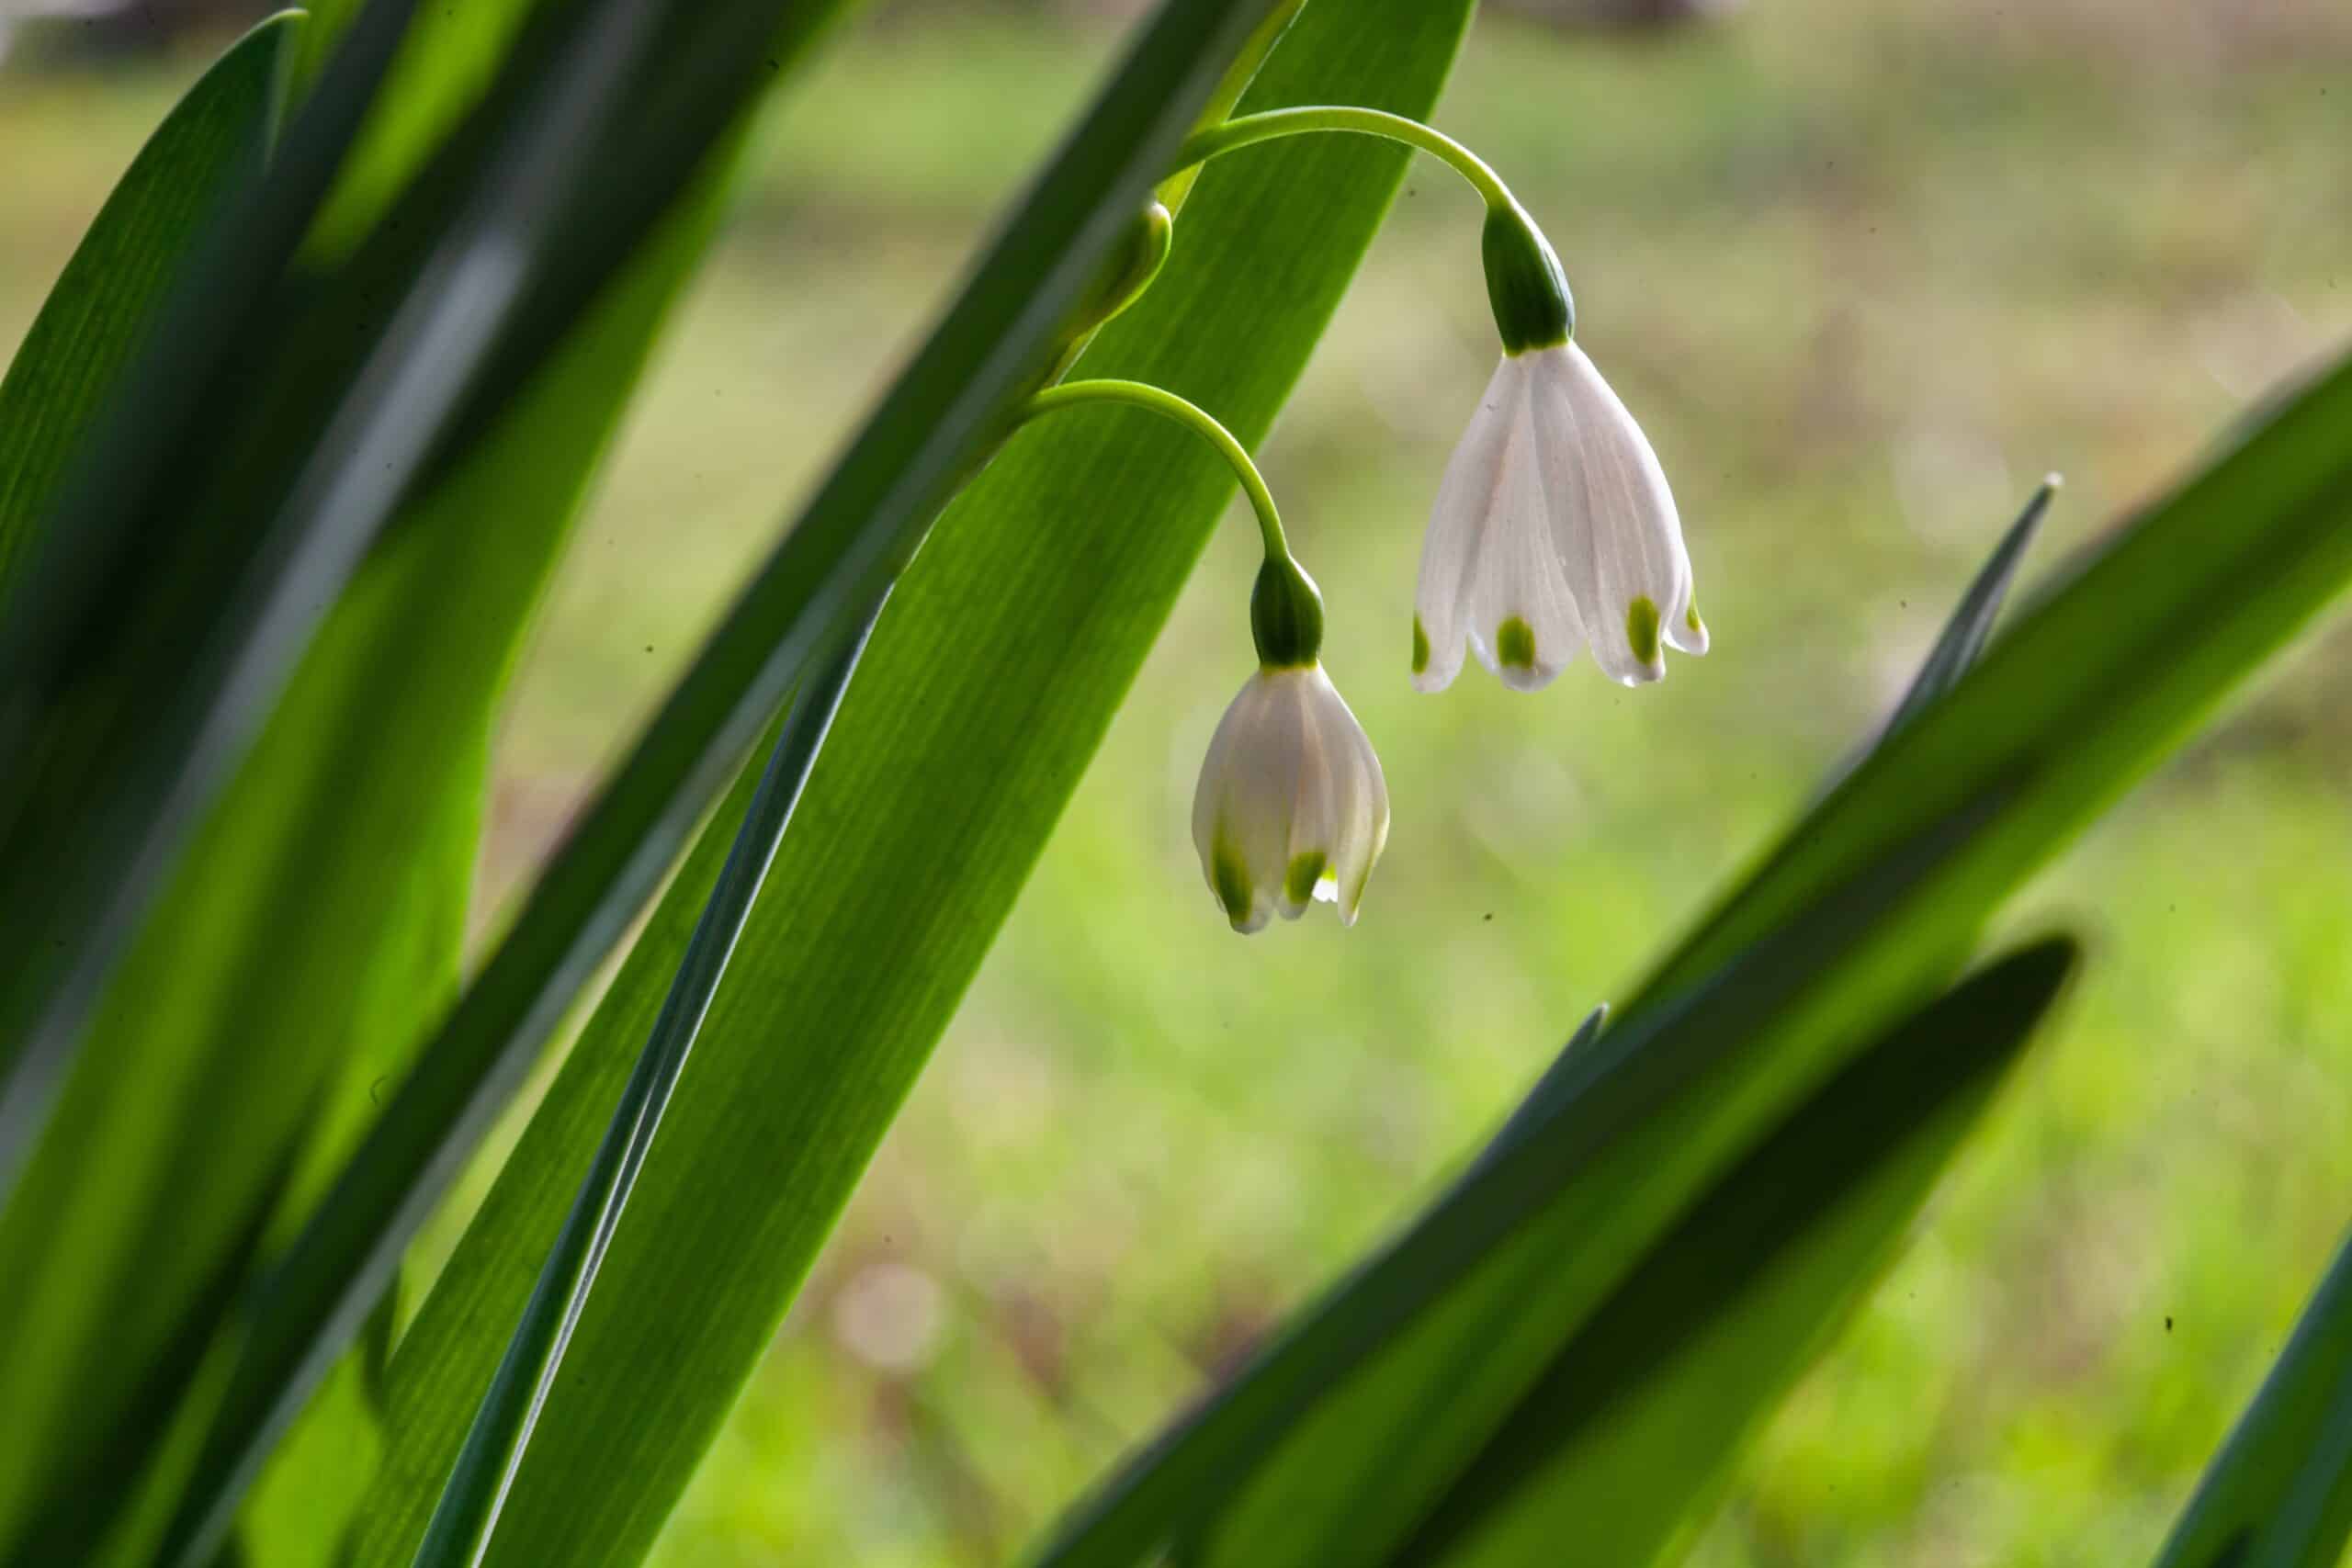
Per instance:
{"type": "Point", "coordinates": [2279, 1494]}
{"type": "Point", "coordinates": [1963, 640]}
{"type": "Point", "coordinates": [1986, 783]}
{"type": "Point", "coordinates": [958, 684]}
{"type": "Point", "coordinates": [867, 518]}
{"type": "Point", "coordinates": [466, 1514]}
{"type": "Point", "coordinates": [1627, 1426]}
{"type": "Point", "coordinates": [115, 285]}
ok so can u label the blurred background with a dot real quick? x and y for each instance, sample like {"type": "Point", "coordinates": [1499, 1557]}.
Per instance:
{"type": "Point", "coordinates": [1865, 271]}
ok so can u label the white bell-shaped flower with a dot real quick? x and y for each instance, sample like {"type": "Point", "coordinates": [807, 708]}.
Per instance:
{"type": "Point", "coordinates": [1553, 529]}
{"type": "Point", "coordinates": [1292, 805]}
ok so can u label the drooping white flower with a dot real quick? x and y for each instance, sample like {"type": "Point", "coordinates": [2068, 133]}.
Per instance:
{"type": "Point", "coordinates": [1554, 530]}
{"type": "Point", "coordinates": [1292, 805]}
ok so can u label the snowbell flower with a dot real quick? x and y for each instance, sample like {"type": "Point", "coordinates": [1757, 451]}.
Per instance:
{"type": "Point", "coordinates": [1554, 528]}
{"type": "Point", "coordinates": [1292, 807]}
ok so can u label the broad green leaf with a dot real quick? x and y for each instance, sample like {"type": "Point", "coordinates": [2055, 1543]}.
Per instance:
{"type": "Point", "coordinates": [1639, 1414]}
{"type": "Point", "coordinates": [1432, 1343]}
{"type": "Point", "coordinates": [965, 730]}
{"type": "Point", "coordinates": [212, 144]}
{"type": "Point", "coordinates": [2279, 1492]}
{"type": "Point", "coordinates": [855, 535]}
{"type": "Point", "coordinates": [467, 1513]}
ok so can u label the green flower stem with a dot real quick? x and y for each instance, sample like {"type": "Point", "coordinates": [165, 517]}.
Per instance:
{"type": "Point", "coordinates": [1524, 284]}
{"type": "Point", "coordinates": [1168, 405]}
{"type": "Point", "coordinates": [1251, 130]}
{"type": "Point", "coordinates": [1285, 607]}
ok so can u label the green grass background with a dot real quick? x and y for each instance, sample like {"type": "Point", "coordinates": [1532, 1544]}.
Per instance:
{"type": "Point", "coordinates": [1864, 272]}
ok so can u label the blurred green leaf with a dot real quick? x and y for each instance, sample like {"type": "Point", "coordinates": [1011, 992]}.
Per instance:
{"type": "Point", "coordinates": [108, 634]}
{"type": "Point", "coordinates": [282, 981]}
{"type": "Point", "coordinates": [208, 535]}
{"type": "Point", "coordinates": [2279, 1492]}
{"type": "Point", "coordinates": [211, 145]}
{"type": "Point", "coordinates": [1641, 1410]}
{"type": "Point", "coordinates": [108, 1508]}
{"type": "Point", "coordinates": [444, 68]}
{"type": "Point", "coordinates": [1380, 1393]}
{"type": "Point", "coordinates": [807, 1052]}
{"type": "Point", "coordinates": [1356, 1420]}
{"type": "Point", "coordinates": [462, 612]}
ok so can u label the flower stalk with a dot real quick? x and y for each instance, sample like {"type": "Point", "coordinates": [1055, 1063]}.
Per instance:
{"type": "Point", "coordinates": [1525, 284]}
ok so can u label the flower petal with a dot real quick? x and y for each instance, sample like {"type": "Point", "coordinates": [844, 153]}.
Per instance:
{"type": "Point", "coordinates": [1314, 825]}
{"type": "Point", "coordinates": [1362, 805]}
{"type": "Point", "coordinates": [1615, 524]}
{"type": "Point", "coordinates": [1459, 525]}
{"type": "Point", "coordinates": [1522, 617]}
{"type": "Point", "coordinates": [1685, 630]}
{"type": "Point", "coordinates": [1241, 806]}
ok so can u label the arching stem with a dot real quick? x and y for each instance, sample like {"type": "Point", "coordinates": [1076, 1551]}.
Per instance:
{"type": "Point", "coordinates": [1251, 130]}
{"type": "Point", "coordinates": [1168, 405]}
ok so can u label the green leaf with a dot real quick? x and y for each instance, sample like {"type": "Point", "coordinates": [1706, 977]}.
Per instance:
{"type": "Point", "coordinates": [209, 533]}
{"type": "Point", "coordinates": [965, 731]}
{"type": "Point", "coordinates": [446, 663]}
{"type": "Point", "coordinates": [109, 1511]}
{"type": "Point", "coordinates": [314, 929]}
{"type": "Point", "coordinates": [1369, 1402]}
{"type": "Point", "coordinates": [1963, 640]}
{"type": "Point", "coordinates": [2279, 1492]}
{"type": "Point", "coordinates": [862, 526]}
{"type": "Point", "coordinates": [107, 631]}
{"type": "Point", "coordinates": [1645, 1405]}
{"type": "Point", "coordinates": [105, 302]}
{"type": "Point", "coordinates": [1866, 907]}
{"type": "Point", "coordinates": [466, 1512]}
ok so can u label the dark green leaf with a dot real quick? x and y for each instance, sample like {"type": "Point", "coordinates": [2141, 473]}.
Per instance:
{"type": "Point", "coordinates": [209, 533]}
{"type": "Point", "coordinates": [1374, 1398]}
{"type": "Point", "coordinates": [2279, 1492]}
{"type": "Point", "coordinates": [1927, 836]}
{"type": "Point", "coordinates": [212, 145]}
{"type": "Point", "coordinates": [1641, 1411]}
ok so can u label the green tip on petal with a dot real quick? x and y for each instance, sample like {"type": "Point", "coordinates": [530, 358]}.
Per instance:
{"type": "Point", "coordinates": [1421, 647]}
{"type": "Point", "coordinates": [1690, 617]}
{"type": "Point", "coordinates": [1515, 641]}
{"type": "Point", "coordinates": [1641, 629]}
{"type": "Point", "coordinates": [1306, 871]}
{"type": "Point", "coordinates": [1231, 879]}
